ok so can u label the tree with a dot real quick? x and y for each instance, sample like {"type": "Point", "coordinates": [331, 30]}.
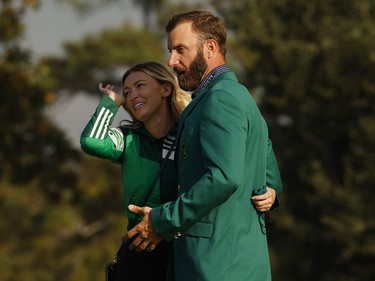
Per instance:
{"type": "Point", "coordinates": [31, 145]}
{"type": "Point", "coordinates": [147, 6]}
{"type": "Point", "coordinates": [101, 57]}
{"type": "Point", "coordinates": [311, 67]}
{"type": "Point", "coordinates": [50, 226]}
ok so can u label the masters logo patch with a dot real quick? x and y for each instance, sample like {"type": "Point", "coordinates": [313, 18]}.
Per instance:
{"type": "Point", "coordinates": [184, 150]}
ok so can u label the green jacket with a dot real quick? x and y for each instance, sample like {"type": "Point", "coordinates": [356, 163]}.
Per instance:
{"type": "Point", "coordinates": [139, 154]}
{"type": "Point", "coordinates": [224, 155]}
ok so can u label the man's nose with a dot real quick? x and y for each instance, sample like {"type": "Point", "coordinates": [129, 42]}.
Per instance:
{"type": "Point", "coordinates": [173, 61]}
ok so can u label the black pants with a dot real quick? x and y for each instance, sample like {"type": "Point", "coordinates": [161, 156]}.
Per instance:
{"type": "Point", "coordinates": [143, 266]}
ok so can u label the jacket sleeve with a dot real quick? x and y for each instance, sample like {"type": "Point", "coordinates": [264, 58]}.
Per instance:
{"type": "Point", "coordinates": [273, 178]}
{"type": "Point", "coordinates": [98, 139]}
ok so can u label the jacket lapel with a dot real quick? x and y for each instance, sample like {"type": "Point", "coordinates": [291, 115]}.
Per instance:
{"type": "Point", "coordinates": [225, 76]}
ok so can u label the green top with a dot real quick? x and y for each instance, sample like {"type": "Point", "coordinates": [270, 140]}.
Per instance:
{"type": "Point", "coordinates": [138, 153]}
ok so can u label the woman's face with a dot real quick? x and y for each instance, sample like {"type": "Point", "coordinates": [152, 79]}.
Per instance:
{"type": "Point", "coordinates": [144, 96]}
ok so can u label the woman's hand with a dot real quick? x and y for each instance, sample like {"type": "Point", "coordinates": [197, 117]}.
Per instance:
{"type": "Point", "coordinates": [109, 90]}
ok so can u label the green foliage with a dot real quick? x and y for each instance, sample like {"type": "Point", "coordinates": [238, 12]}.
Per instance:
{"type": "Point", "coordinates": [85, 6]}
{"type": "Point", "coordinates": [59, 241]}
{"type": "Point", "coordinates": [49, 229]}
{"type": "Point", "coordinates": [101, 58]}
{"type": "Point", "coordinates": [30, 144]}
{"type": "Point", "coordinates": [171, 7]}
{"type": "Point", "coordinates": [10, 27]}
{"type": "Point", "coordinates": [311, 66]}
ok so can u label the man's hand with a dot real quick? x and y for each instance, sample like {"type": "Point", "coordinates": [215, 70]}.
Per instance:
{"type": "Point", "coordinates": [264, 202]}
{"type": "Point", "coordinates": [146, 237]}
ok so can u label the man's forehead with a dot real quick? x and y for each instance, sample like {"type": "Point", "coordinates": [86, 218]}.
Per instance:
{"type": "Point", "coordinates": [182, 34]}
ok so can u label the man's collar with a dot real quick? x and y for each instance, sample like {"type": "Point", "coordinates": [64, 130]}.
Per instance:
{"type": "Point", "coordinates": [209, 78]}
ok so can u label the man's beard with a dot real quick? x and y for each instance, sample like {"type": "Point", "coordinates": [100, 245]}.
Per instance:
{"type": "Point", "coordinates": [190, 79]}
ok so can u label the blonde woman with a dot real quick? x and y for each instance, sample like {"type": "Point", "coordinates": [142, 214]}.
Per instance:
{"type": "Point", "coordinates": [154, 100]}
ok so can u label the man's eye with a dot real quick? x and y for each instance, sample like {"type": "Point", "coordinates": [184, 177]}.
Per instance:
{"type": "Point", "coordinates": [181, 50]}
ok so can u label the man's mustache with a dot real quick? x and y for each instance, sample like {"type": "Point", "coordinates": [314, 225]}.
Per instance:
{"type": "Point", "coordinates": [178, 70]}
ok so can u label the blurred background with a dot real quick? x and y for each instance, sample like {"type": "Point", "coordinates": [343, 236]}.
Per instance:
{"type": "Point", "coordinates": [309, 65]}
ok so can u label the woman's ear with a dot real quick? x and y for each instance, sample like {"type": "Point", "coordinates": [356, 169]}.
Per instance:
{"type": "Point", "coordinates": [167, 89]}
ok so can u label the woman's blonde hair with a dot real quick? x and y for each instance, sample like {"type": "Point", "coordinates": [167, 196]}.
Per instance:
{"type": "Point", "coordinates": [177, 100]}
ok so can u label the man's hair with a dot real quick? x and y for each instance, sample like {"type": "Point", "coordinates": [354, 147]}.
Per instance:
{"type": "Point", "coordinates": [205, 24]}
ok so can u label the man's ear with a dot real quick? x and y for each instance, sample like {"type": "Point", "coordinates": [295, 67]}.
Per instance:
{"type": "Point", "coordinates": [212, 47]}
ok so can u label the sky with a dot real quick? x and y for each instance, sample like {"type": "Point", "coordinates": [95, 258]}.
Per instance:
{"type": "Point", "coordinates": [53, 24]}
